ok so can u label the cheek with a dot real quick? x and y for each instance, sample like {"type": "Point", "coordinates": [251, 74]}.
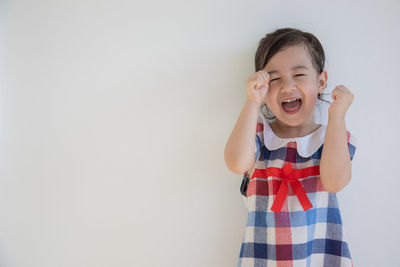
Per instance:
{"type": "Point", "coordinates": [312, 93]}
{"type": "Point", "coordinates": [271, 97]}
{"type": "Point", "coordinates": [311, 100]}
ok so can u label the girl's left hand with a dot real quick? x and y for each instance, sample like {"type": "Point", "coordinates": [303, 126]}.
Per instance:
{"type": "Point", "coordinates": [342, 99]}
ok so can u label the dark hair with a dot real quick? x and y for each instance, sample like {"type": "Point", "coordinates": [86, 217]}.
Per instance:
{"type": "Point", "coordinates": [281, 38]}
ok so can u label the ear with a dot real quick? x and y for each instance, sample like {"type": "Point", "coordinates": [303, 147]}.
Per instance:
{"type": "Point", "coordinates": [322, 81]}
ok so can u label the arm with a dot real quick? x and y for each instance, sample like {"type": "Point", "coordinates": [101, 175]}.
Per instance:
{"type": "Point", "coordinates": [335, 165]}
{"type": "Point", "coordinates": [239, 153]}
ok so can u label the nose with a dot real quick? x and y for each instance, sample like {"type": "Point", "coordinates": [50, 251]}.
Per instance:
{"type": "Point", "coordinates": [288, 85]}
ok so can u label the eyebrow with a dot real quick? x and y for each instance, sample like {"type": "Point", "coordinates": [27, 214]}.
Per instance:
{"type": "Point", "coordinates": [294, 68]}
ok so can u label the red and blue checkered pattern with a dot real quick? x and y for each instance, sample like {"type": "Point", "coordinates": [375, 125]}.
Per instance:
{"type": "Point", "coordinates": [293, 237]}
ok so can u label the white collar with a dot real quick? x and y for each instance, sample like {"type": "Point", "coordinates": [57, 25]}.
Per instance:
{"type": "Point", "coordinates": [306, 145]}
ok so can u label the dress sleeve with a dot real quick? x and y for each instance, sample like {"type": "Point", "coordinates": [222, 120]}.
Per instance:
{"type": "Point", "coordinates": [352, 143]}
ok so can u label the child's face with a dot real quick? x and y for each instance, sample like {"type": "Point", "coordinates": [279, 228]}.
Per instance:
{"type": "Point", "coordinates": [288, 82]}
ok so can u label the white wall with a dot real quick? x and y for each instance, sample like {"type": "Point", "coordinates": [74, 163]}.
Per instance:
{"type": "Point", "coordinates": [115, 114]}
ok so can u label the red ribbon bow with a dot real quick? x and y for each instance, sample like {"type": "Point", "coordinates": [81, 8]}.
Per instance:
{"type": "Point", "coordinates": [291, 176]}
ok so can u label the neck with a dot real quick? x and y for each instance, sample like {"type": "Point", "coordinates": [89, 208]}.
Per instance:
{"type": "Point", "coordinates": [283, 130]}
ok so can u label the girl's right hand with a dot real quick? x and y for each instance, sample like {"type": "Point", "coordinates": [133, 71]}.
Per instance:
{"type": "Point", "coordinates": [257, 87]}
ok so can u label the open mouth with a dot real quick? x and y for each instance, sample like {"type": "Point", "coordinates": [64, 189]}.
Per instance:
{"type": "Point", "coordinates": [292, 106]}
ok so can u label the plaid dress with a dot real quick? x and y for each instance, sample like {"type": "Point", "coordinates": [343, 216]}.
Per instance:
{"type": "Point", "coordinates": [292, 221]}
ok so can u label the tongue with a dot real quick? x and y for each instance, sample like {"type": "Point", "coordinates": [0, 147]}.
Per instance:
{"type": "Point", "coordinates": [291, 106]}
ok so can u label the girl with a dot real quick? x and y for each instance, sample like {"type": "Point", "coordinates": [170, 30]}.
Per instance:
{"type": "Point", "coordinates": [297, 167]}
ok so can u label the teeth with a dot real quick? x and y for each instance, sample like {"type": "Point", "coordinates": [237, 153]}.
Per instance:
{"type": "Point", "coordinates": [290, 100]}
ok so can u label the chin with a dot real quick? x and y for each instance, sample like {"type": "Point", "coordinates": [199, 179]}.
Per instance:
{"type": "Point", "coordinates": [291, 123]}
{"type": "Point", "coordinates": [294, 121]}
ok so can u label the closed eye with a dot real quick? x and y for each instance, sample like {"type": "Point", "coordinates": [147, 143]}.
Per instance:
{"type": "Point", "coordinates": [278, 78]}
